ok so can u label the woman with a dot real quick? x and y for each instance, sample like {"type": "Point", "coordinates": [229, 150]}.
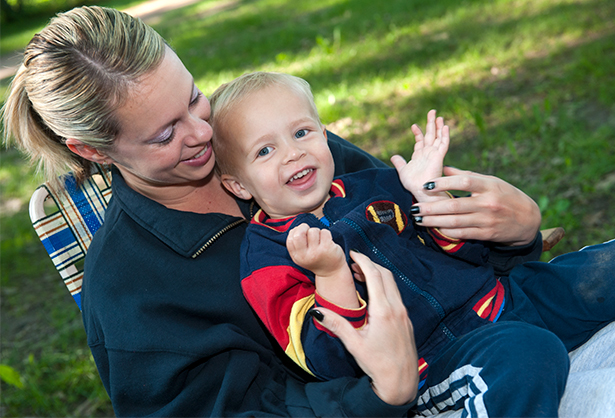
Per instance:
{"type": "Point", "coordinates": [167, 324]}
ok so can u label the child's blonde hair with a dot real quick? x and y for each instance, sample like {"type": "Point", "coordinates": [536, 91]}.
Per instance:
{"type": "Point", "coordinates": [75, 73]}
{"type": "Point", "coordinates": [232, 93]}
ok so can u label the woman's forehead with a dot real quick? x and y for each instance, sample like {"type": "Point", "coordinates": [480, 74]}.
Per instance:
{"type": "Point", "coordinates": [156, 99]}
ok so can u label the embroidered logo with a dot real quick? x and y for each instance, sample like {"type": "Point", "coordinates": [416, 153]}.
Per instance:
{"type": "Point", "coordinates": [389, 213]}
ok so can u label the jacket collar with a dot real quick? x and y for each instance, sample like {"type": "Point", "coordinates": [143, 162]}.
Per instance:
{"type": "Point", "coordinates": [338, 189]}
{"type": "Point", "coordinates": [187, 233]}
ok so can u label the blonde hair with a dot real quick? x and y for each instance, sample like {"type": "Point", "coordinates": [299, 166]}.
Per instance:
{"type": "Point", "coordinates": [75, 74]}
{"type": "Point", "coordinates": [231, 94]}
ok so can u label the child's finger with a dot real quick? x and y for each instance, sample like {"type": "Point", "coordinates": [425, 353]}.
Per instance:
{"type": "Point", "coordinates": [446, 139]}
{"type": "Point", "coordinates": [419, 139]}
{"type": "Point", "coordinates": [398, 162]}
{"type": "Point", "coordinates": [326, 238]}
{"type": "Point", "coordinates": [313, 236]}
{"type": "Point", "coordinates": [431, 127]}
{"type": "Point", "coordinates": [418, 134]}
{"type": "Point", "coordinates": [297, 237]}
{"type": "Point", "coordinates": [439, 127]}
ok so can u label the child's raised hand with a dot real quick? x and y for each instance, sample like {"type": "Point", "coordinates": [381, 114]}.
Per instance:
{"type": "Point", "coordinates": [315, 250]}
{"type": "Point", "coordinates": [427, 159]}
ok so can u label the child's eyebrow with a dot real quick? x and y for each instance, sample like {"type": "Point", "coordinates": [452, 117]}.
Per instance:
{"type": "Point", "coordinates": [258, 142]}
{"type": "Point", "coordinates": [304, 119]}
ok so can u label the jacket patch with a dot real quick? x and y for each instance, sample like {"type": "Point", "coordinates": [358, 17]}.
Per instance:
{"type": "Point", "coordinates": [389, 213]}
{"type": "Point", "coordinates": [423, 366]}
{"type": "Point", "coordinates": [491, 305]}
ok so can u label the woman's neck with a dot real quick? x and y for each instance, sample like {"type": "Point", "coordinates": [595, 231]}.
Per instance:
{"type": "Point", "coordinates": [204, 196]}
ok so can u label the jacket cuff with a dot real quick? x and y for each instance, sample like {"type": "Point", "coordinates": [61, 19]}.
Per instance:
{"type": "Point", "coordinates": [504, 258]}
{"type": "Point", "coordinates": [448, 244]}
{"type": "Point", "coordinates": [357, 317]}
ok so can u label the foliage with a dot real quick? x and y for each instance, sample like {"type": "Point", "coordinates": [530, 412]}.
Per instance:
{"type": "Point", "coordinates": [10, 376]}
{"type": "Point", "coordinates": [527, 86]}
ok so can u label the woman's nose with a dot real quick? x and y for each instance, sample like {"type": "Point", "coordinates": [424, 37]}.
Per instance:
{"type": "Point", "coordinates": [200, 131]}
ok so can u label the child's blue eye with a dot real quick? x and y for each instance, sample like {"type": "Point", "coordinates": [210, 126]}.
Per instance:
{"type": "Point", "coordinates": [301, 133]}
{"type": "Point", "coordinates": [264, 151]}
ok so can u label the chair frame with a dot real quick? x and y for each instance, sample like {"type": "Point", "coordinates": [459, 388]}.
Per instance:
{"type": "Point", "coordinates": [68, 230]}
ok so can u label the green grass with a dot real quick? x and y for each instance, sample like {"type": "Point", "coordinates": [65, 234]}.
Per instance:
{"type": "Point", "coordinates": [527, 86]}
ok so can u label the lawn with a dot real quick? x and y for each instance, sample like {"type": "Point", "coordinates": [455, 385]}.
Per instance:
{"type": "Point", "coordinates": [527, 86]}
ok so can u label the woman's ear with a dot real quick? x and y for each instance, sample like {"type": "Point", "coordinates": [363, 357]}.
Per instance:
{"type": "Point", "coordinates": [234, 186]}
{"type": "Point", "coordinates": [87, 151]}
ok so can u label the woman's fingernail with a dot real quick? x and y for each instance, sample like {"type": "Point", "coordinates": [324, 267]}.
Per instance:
{"type": "Point", "coordinates": [418, 219]}
{"type": "Point", "coordinates": [355, 250]}
{"type": "Point", "coordinates": [429, 186]}
{"type": "Point", "coordinates": [316, 314]}
{"type": "Point", "coordinates": [415, 209]}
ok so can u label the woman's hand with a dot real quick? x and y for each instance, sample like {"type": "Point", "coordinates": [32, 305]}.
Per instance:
{"type": "Point", "coordinates": [385, 348]}
{"type": "Point", "coordinates": [496, 211]}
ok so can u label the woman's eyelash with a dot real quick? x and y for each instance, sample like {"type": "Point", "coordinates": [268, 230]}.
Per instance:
{"type": "Point", "coordinates": [196, 98]}
{"type": "Point", "coordinates": [167, 139]}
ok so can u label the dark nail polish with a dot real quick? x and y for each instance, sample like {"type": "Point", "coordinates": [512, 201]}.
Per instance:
{"type": "Point", "coordinates": [415, 209]}
{"type": "Point", "coordinates": [355, 250]}
{"type": "Point", "coordinates": [316, 314]}
{"type": "Point", "coordinates": [429, 186]}
{"type": "Point", "coordinates": [418, 219]}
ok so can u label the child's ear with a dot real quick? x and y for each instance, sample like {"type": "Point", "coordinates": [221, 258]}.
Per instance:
{"type": "Point", "coordinates": [87, 151]}
{"type": "Point", "coordinates": [324, 131]}
{"type": "Point", "coordinates": [234, 186]}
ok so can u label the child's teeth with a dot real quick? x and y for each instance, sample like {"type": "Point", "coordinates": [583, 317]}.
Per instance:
{"type": "Point", "coordinates": [300, 174]}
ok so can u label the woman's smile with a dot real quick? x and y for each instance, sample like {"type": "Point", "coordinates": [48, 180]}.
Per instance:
{"type": "Point", "coordinates": [201, 158]}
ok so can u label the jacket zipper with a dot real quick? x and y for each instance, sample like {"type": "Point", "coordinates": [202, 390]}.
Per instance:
{"type": "Point", "coordinates": [389, 265]}
{"type": "Point", "coordinates": [216, 236]}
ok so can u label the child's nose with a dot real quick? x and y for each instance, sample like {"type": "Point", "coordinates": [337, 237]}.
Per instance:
{"type": "Point", "coordinates": [293, 153]}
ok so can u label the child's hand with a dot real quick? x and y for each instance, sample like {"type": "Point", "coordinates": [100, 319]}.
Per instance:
{"type": "Point", "coordinates": [315, 250]}
{"type": "Point", "coordinates": [427, 160]}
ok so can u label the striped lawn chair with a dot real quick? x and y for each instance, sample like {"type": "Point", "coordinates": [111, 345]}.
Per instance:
{"type": "Point", "coordinates": [76, 214]}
